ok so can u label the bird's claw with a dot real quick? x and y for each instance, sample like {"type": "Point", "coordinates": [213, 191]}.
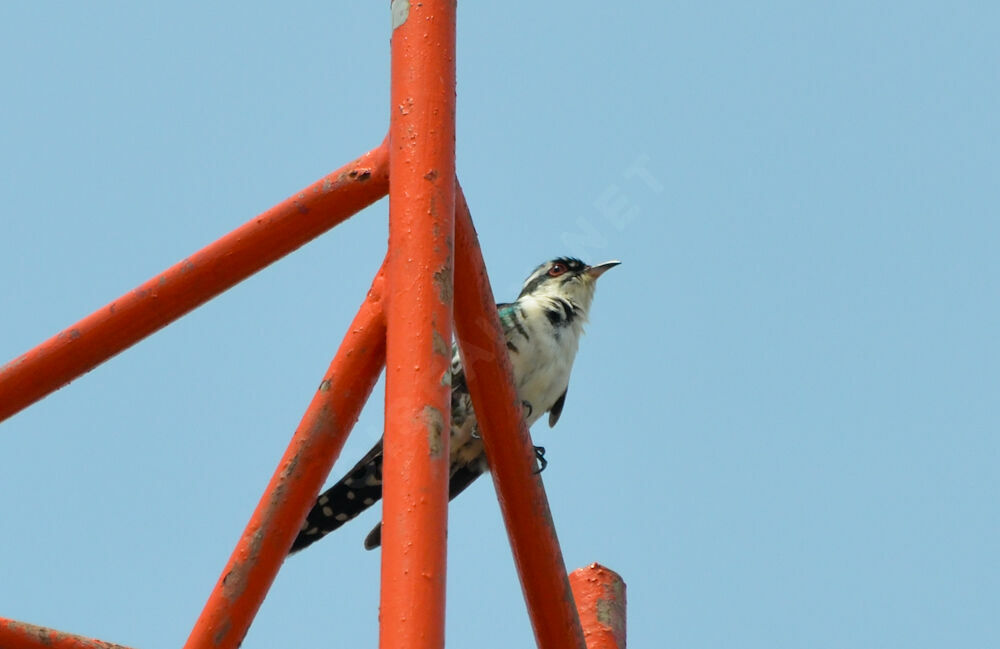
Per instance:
{"type": "Point", "coordinates": [542, 462]}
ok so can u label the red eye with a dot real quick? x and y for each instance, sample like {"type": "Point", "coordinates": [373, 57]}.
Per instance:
{"type": "Point", "coordinates": [557, 270]}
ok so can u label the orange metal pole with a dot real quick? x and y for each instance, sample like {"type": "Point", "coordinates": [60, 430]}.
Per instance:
{"type": "Point", "coordinates": [307, 462]}
{"type": "Point", "coordinates": [419, 314]}
{"type": "Point", "coordinates": [600, 598]}
{"type": "Point", "coordinates": [508, 446]}
{"type": "Point", "coordinates": [19, 635]}
{"type": "Point", "coordinates": [193, 281]}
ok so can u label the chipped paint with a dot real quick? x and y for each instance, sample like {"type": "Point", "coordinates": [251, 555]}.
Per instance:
{"type": "Point", "coordinates": [607, 613]}
{"type": "Point", "coordinates": [234, 582]}
{"type": "Point", "coordinates": [400, 10]}
{"type": "Point", "coordinates": [224, 628]}
{"type": "Point", "coordinates": [324, 385]}
{"type": "Point", "coordinates": [442, 280]}
{"type": "Point", "coordinates": [439, 345]}
{"type": "Point", "coordinates": [434, 421]}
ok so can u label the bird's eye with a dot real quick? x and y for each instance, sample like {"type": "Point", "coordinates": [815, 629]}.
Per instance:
{"type": "Point", "coordinates": [557, 270]}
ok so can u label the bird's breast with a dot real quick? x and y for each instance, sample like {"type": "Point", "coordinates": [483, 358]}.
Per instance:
{"type": "Point", "coordinates": [542, 369]}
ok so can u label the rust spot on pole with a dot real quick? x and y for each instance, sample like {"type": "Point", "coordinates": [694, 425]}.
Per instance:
{"type": "Point", "coordinates": [234, 583]}
{"type": "Point", "coordinates": [224, 628]}
{"type": "Point", "coordinates": [442, 280]}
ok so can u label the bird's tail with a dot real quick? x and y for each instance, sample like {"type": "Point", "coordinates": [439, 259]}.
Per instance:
{"type": "Point", "coordinates": [360, 489]}
{"type": "Point", "coordinates": [357, 491]}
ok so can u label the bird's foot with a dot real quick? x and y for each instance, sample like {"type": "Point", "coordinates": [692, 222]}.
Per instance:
{"type": "Point", "coordinates": [542, 462]}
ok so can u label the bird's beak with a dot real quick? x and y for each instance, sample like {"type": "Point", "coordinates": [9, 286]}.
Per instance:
{"type": "Point", "coordinates": [596, 271]}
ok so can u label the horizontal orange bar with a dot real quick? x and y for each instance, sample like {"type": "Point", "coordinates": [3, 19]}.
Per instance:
{"type": "Point", "coordinates": [508, 446]}
{"type": "Point", "coordinates": [20, 635]}
{"type": "Point", "coordinates": [315, 446]}
{"type": "Point", "coordinates": [600, 599]}
{"type": "Point", "coordinates": [193, 281]}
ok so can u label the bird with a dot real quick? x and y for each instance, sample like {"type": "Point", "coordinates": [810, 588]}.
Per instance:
{"type": "Point", "coordinates": [542, 328]}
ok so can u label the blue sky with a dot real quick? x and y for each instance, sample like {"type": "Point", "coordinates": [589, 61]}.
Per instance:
{"type": "Point", "coordinates": [782, 424]}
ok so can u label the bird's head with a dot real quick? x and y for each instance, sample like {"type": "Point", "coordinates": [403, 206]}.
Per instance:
{"type": "Point", "coordinates": [565, 278]}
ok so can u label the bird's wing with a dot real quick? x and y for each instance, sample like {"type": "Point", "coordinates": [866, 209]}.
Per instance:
{"type": "Point", "coordinates": [556, 408]}
{"type": "Point", "coordinates": [508, 317]}
{"type": "Point", "coordinates": [505, 309]}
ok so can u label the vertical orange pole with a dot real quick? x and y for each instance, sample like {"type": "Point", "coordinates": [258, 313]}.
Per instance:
{"type": "Point", "coordinates": [419, 313]}
{"type": "Point", "coordinates": [600, 599]}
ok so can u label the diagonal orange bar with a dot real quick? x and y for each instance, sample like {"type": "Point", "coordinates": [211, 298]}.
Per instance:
{"type": "Point", "coordinates": [508, 446]}
{"type": "Point", "coordinates": [307, 462]}
{"type": "Point", "coordinates": [419, 316]}
{"type": "Point", "coordinates": [19, 635]}
{"type": "Point", "coordinates": [600, 597]}
{"type": "Point", "coordinates": [193, 281]}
